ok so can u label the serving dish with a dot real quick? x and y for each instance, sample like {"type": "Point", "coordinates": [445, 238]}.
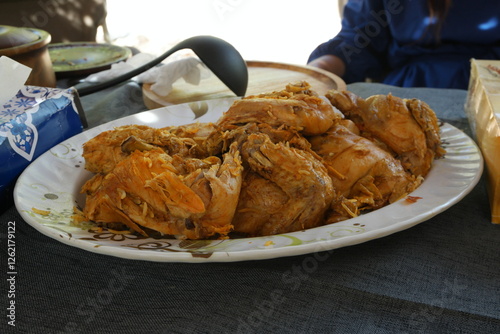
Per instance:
{"type": "Point", "coordinates": [81, 58]}
{"type": "Point", "coordinates": [48, 189]}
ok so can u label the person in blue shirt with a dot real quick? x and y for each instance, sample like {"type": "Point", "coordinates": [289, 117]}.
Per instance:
{"type": "Point", "coordinates": [412, 43]}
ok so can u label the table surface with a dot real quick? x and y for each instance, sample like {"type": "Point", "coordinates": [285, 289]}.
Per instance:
{"type": "Point", "coordinates": [441, 276]}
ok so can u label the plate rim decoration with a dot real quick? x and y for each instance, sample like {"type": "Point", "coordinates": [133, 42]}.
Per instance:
{"type": "Point", "coordinates": [46, 203]}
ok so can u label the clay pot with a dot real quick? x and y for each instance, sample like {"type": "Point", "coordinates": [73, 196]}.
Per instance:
{"type": "Point", "coordinates": [29, 47]}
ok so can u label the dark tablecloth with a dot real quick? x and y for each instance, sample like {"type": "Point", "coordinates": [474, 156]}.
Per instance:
{"type": "Point", "coordinates": [441, 276]}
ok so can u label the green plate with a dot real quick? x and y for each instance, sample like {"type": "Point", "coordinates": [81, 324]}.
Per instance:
{"type": "Point", "coordinates": [85, 58]}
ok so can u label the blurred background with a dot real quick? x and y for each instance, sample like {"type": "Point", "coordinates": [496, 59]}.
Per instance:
{"type": "Point", "coordinates": [278, 30]}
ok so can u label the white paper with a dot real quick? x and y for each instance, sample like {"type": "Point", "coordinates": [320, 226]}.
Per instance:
{"type": "Point", "coordinates": [162, 78]}
{"type": "Point", "coordinates": [191, 69]}
{"type": "Point", "coordinates": [13, 76]}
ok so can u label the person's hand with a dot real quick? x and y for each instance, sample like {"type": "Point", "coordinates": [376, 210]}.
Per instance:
{"type": "Point", "coordinates": [330, 63]}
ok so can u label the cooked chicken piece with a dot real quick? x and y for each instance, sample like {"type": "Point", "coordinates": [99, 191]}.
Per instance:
{"type": "Point", "coordinates": [307, 113]}
{"type": "Point", "coordinates": [296, 88]}
{"type": "Point", "coordinates": [218, 141]}
{"type": "Point", "coordinates": [259, 200]}
{"type": "Point", "coordinates": [287, 189]}
{"type": "Point", "coordinates": [429, 123]}
{"type": "Point", "coordinates": [219, 188]}
{"type": "Point", "coordinates": [148, 189]}
{"type": "Point", "coordinates": [144, 187]}
{"type": "Point", "coordinates": [104, 151]}
{"type": "Point", "coordinates": [198, 132]}
{"type": "Point", "coordinates": [362, 172]}
{"type": "Point", "coordinates": [389, 120]}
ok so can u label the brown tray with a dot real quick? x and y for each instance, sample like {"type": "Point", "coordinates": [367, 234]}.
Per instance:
{"type": "Point", "coordinates": [262, 77]}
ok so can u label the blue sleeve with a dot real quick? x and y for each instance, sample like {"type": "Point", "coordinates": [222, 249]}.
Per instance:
{"type": "Point", "coordinates": [362, 42]}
